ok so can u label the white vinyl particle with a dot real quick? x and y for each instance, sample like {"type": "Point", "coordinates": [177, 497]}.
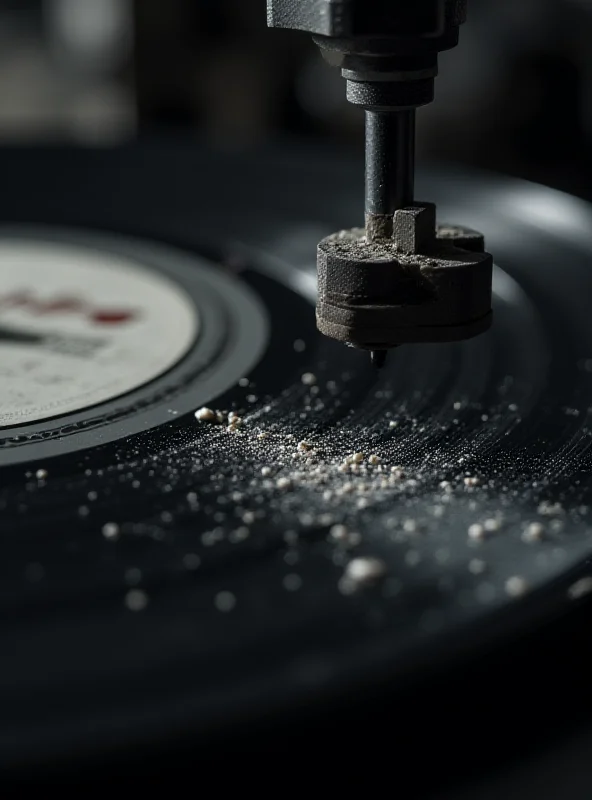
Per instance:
{"type": "Point", "coordinates": [110, 530]}
{"type": "Point", "coordinates": [365, 570]}
{"type": "Point", "coordinates": [299, 345]}
{"type": "Point", "coordinates": [547, 509]}
{"type": "Point", "coordinates": [225, 601]}
{"type": "Point", "coordinates": [476, 532]}
{"type": "Point", "coordinates": [580, 588]}
{"type": "Point", "coordinates": [206, 415]}
{"type": "Point", "coordinates": [374, 459]}
{"type": "Point", "coordinates": [516, 586]}
{"type": "Point", "coordinates": [492, 525]}
{"type": "Point", "coordinates": [339, 533]}
{"type": "Point", "coordinates": [239, 535]}
{"type": "Point", "coordinates": [41, 474]}
{"type": "Point", "coordinates": [136, 600]}
{"type": "Point", "coordinates": [309, 379]}
{"type": "Point", "coordinates": [533, 532]}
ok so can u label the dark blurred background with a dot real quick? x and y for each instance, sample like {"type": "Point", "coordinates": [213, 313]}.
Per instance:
{"type": "Point", "coordinates": [516, 96]}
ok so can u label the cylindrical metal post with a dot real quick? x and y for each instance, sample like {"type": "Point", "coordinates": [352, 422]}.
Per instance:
{"type": "Point", "coordinates": [390, 168]}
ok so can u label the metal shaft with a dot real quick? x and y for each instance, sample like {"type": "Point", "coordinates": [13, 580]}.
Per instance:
{"type": "Point", "coordinates": [390, 168]}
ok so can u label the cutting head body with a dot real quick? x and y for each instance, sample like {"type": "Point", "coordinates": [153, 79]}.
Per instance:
{"type": "Point", "coordinates": [400, 278]}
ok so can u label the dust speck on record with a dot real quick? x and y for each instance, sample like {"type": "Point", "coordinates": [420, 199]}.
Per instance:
{"type": "Point", "coordinates": [292, 582]}
{"type": "Point", "coordinates": [136, 600]}
{"type": "Point", "coordinates": [225, 601]}
{"type": "Point", "coordinates": [110, 530]}
{"type": "Point", "coordinates": [580, 588]}
{"type": "Point", "coordinates": [516, 586]}
{"type": "Point", "coordinates": [206, 415]}
{"type": "Point", "coordinates": [365, 570]}
{"type": "Point", "coordinates": [476, 531]}
{"type": "Point", "coordinates": [534, 532]}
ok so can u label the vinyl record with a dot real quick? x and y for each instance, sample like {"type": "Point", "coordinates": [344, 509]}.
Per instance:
{"type": "Point", "coordinates": [210, 512]}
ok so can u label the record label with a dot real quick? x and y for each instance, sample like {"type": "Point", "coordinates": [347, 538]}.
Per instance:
{"type": "Point", "coordinates": [79, 327]}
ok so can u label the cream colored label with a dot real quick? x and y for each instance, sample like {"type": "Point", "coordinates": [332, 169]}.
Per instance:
{"type": "Point", "coordinates": [80, 326]}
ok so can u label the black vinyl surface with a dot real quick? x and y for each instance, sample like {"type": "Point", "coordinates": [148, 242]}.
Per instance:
{"type": "Point", "coordinates": [250, 636]}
